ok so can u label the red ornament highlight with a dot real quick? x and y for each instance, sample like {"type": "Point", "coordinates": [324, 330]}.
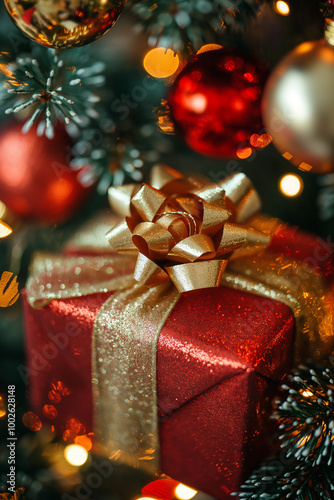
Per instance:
{"type": "Point", "coordinates": [36, 181]}
{"type": "Point", "coordinates": [215, 101]}
{"type": "Point", "coordinates": [162, 489]}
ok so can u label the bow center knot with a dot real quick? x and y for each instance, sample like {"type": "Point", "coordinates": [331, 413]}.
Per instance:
{"type": "Point", "coordinates": [185, 230]}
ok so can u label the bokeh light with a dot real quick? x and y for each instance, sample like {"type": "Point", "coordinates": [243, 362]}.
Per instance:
{"type": "Point", "coordinates": [183, 492]}
{"type": "Point", "coordinates": [282, 8]}
{"type": "Point", "coordinates": [260, 141]}
{"type": "Point", "coordinates": [59, 386]}
{"type": "Point", "coordinates": [208, 47]}
{"type": "Point", "coordinates": [54, 396]}
{"type": "Point", "coordinates": [307, 394]}
{"type": "Point", "coordinates": [161, 63]}
{"type": "Point", "coordinates": [75, 454]}
{"type": "Point", "coordinates": [2, 407]}
{"type": "Point", "coordinates": [32, 421]}
{"type": "Point", "coordinates": [5, 230]}
{"type": "Point", "coordinates": [84, 441]}
{"type": "Point", "coordinates": [3, 209]}
{"type": "Point", "coordinates": [244, 152]}
{"type": "Point", "coordinates": [50, 411]}
{"type": "Point", "coordinates": [291, 185]}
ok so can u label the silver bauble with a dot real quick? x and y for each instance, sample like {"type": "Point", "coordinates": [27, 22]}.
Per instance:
{"type": "Point", "coordinates": [298, 105]}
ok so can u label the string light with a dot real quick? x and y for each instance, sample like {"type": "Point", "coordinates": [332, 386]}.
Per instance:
{"type": "Point", "coordinates": [291, 185]}
{"type": "Point", "coordinates": [5, 230]}
{"type": "Point", "coordinates": [75, 454]}
{"type": "Point", "coordinates": [282, 8]}
{"type": "Point", "coordinates": [183, 492]}
{"type": "Point", "coordinates": [161, 63]}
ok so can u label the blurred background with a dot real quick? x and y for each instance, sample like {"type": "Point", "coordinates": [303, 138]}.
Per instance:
{"type": "Point", "coordinates": [305, 200]}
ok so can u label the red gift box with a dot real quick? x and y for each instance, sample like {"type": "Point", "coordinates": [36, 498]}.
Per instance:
{"type": "Point", "coordinates": [220, 356]}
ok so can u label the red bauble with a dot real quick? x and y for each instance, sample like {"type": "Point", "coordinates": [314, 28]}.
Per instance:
{"type": "Point", "coordinates": [35, 179]}
{"type": "Point", "coordinates": [215, 101]}
{"type": "Point", "coordinates": [162, 489]}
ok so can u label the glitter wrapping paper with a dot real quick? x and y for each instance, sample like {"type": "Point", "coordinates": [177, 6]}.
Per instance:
{"type": "Point", "coordinates": [220, 355]}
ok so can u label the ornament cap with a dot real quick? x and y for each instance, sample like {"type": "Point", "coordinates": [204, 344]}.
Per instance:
{"type": "Point", "coordinates": [329, 31]}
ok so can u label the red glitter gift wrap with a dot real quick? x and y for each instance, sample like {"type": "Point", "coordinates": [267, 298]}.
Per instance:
{"type": "Point", "coordinates": [221, 354]}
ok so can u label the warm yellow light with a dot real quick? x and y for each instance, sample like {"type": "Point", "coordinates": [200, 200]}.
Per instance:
{"type": "Point", "coordinates": [146, 498]}
{"type": "Point", "coordinates": [303, 441]}
{"type": "Point", "coordinates": [282, 8]}
{"type": "Point", "coordinates": [5, 230]}
{"type": "Point", "coordinates": [291, 185]}
{"type": "Point", "coordinates": [208, 47]}
{"type": "Point", "coordinates": [184, 492]}
{"type": "Point", "coordinates": [2, 407]}
{"type": "Point", "coordinates": [161, 63]}
{"type": "Point", "coordinates": [307, 394]}
{"type": "Point", "coordinates": [3, 209]}
{"type": "Point", "coordinates": [75, 454]}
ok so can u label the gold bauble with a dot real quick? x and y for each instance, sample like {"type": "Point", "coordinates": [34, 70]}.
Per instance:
{"type": "Point", "coordinates": [298, 105]}
{"type": "Point", "coordinates": [64, 23]}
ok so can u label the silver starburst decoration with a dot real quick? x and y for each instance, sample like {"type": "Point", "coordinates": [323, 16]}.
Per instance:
{"type": "Point", "coordinates": [53, 87]}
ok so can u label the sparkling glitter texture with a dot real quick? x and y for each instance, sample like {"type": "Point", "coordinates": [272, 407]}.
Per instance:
{"type": "Point", "coordinates": [125, 336]}
{"type": "Point", "coordinates": [215, 101]}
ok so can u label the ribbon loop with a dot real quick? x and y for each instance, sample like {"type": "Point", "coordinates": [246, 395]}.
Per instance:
{"type": "Point", "coordinates": [185, 220]}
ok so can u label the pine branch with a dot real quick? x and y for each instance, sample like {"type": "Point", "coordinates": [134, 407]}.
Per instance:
{"type": "Point", "coordinates": [52, 87]}
{"type": "Point", "coordinates": [187, 24]}
{"type": "Point", "coordinates": [326, 196]}
{"type": "Point", "coordinates": [120, 158]}
{"type": "Point", "coordinates": [306, 417]}
{"type": "Point", "coordinates": [304, 470]}
{"type": "Point", "coordinates": [281, 480]}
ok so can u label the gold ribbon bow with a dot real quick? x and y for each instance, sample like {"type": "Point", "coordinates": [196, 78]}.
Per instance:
{"type": "Point", "coordinates": [185, 229]}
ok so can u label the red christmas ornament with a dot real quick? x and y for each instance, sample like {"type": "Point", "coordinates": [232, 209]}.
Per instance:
{"type": "Point", "coordinates": [215, 101]}
{"type": "Point", "coordinates": [162, 489]}
{"type": "Point", "coordinates": [35, 179]}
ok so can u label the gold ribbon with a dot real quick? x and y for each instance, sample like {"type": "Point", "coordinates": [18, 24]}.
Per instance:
{"type": "Point", "coordinates": [185, 229]}
{"type": "Point", "coordinates": [127, 327]}
{"type": "Point", "coordinates": [126, 335]}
